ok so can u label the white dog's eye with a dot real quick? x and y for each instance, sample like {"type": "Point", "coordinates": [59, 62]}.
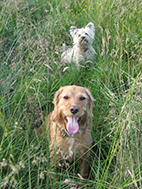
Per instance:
{"type": "Point", "coordinates": [79, 35]}
{"type": "Point", "coordinates": [86, 33]}
{"type": "Point", "coordinates": [66, 97]}
{"type": "Point", "coordinates": [82, 98]}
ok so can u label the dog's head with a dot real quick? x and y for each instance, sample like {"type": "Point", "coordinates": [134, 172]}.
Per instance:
{"type": "Point", "coordinates": [73, 105]}
{"type": "Point", "coordinates": [83, 36]}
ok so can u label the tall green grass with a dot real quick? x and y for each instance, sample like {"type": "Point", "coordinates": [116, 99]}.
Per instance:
{"type": "Point", "coordinates": [31, 37]}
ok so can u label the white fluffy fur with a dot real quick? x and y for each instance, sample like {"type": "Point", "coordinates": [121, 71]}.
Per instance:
{"type": "Point", "coordinates": [82, 45]}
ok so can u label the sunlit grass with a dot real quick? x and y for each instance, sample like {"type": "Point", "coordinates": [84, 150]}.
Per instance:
{"type": "Point", "coordinates": [32, 34]}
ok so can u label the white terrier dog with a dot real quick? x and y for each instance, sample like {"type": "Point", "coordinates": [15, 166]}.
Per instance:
{"type": "Point", "coordinates": [82, 45]}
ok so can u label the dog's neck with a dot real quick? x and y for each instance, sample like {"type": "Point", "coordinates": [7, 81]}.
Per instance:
{"type": "Point", "coordinates": [85, 49]}
{"type": "Point", "coordinates": [64, 133]}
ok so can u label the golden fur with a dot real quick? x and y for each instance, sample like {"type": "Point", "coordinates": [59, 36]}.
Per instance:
{"type": "Point", "coordinates": [70, 141]}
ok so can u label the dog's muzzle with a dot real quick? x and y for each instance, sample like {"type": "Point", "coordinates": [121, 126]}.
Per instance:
{"type": "Point", "coordinates": [72, 124]}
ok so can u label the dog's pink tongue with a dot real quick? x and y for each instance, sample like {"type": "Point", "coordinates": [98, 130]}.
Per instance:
{"type": "Point", "coordinates": [72, 125]}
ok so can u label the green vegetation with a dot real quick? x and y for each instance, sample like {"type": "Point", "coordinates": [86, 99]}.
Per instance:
{"type": "Point", "coordinates": [31, 37]}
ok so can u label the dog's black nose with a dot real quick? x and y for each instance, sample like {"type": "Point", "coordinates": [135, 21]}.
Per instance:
{"type": "Point", "coordinates": [83, 37]}
{"type": "Point", "coordinates": [74, 109]}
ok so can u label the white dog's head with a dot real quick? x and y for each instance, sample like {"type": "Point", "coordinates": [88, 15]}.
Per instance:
{"type": "Point", "coordinates": [83, 36]}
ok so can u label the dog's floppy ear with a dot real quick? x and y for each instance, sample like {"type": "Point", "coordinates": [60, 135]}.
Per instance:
{"type": "Point", "coordinates": [56, 96]}
{"type": "Point", "coordinates": [91, 102]}
{"type": "Point", "coordinates": [73, 30]}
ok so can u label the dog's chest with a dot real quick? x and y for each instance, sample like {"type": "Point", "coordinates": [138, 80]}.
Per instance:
{"type": "Point", "coordinates": [83, 53]}
{"type": "Point", "coordinates": [70, 146]}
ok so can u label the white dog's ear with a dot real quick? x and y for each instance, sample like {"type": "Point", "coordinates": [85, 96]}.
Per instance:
{"type": "Point", "coordinates": [91, 26]}
{"type": "Point", "coordinates": [73, 30]}
{"type": "Point", "coordinates": [90, 29]}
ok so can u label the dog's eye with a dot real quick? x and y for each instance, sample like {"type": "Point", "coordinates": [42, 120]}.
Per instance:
{"type": "Point", "coordinates": [79, 35]}
{"type": "Point", "coordinates": [66, 97]}
{"type": "Point", "coordinates": [86, 33]}
{"type": "Point", "coordinates": [82, 98]}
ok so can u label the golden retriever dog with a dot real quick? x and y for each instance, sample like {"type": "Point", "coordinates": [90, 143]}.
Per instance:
{"type": "Point", "coordinates": [69, 126]}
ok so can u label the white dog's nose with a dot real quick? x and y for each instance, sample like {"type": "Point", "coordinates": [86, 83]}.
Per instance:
{"type": "Point", "coordinates": [83, 37]}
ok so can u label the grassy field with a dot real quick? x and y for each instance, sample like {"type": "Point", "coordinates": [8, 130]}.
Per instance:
{"type": "Point", "coordinates": [31, 37]}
